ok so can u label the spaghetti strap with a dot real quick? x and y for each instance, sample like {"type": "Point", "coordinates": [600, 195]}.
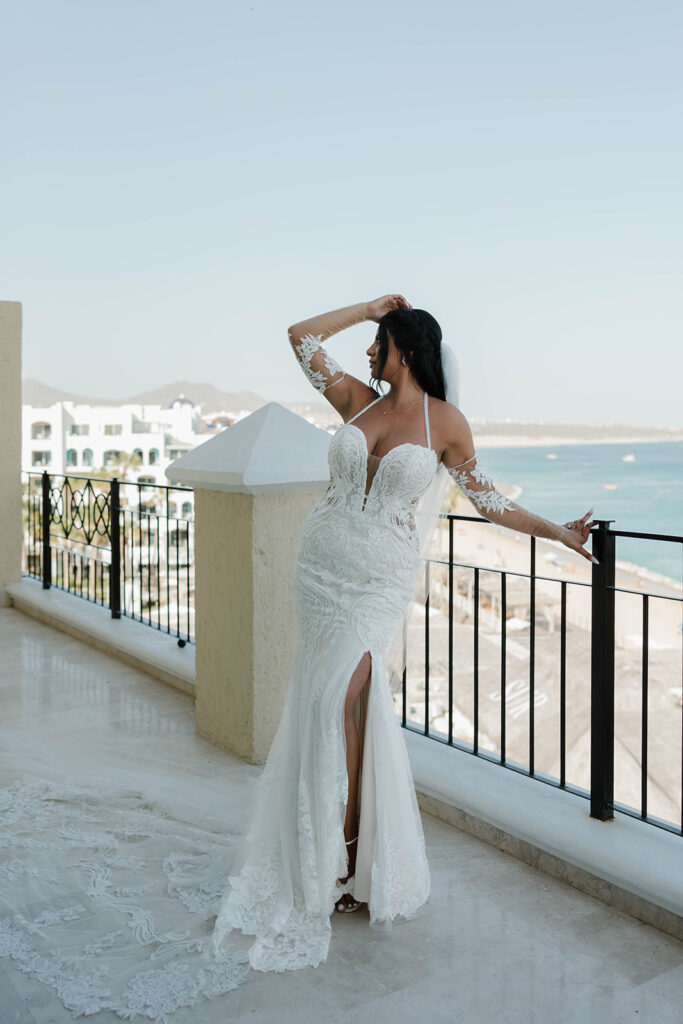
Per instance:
{"type": "Point", "coordinates": [363, 409]}
{"type": "Point", "coordinates": [429, 440]}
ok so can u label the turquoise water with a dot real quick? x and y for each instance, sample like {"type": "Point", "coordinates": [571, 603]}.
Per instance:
{"type": "Point", "coordinates": [648, 496]}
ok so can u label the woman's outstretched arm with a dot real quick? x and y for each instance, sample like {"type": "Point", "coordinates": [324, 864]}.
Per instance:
{"type": "Point", "coordinates": [306, 337]}
{"type": "Point", "coordinates": [466, 470]}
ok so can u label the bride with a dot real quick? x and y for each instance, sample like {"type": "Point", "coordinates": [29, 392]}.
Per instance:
{"type": "Point", "coordinates": [336, 823]}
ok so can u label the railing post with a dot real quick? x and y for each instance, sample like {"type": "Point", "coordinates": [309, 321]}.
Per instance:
{"type": "Point", "coordinates": [46, 518]}
{"type": "Point", "coordinates": [115, 540]}
{"type": "Point", "coordinates": [602, 672]}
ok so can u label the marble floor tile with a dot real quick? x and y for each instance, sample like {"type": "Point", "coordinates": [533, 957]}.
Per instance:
{"type": "Point", "coordinates": [499, 941]}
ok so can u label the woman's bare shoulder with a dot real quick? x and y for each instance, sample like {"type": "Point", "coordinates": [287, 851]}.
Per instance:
{"type": "Point", "coordinates": [451, 430]}
{"type": "Point", "coordinates": [447, 416]}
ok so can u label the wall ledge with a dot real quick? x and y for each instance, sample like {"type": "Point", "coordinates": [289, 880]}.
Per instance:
{"type": "Point", "coordinates": [141, 646]}
{"type": "Point", "coordinates": [624, 862]}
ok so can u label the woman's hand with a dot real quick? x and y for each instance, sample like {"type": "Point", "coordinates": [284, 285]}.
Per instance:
{"type": "Point", "coordinates": [378, 307]}
{"type": "Point", "coordinates": [577, 535]}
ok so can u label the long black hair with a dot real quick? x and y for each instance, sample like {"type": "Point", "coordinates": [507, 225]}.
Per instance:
{"type": "Point", "coordinates": [417, 336]}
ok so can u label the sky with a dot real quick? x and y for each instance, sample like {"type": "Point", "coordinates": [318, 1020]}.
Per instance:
{"type": "Point", "coordinates": [181, 181]}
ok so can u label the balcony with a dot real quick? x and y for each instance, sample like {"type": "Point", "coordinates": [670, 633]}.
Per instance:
{"type": "Point", "coordinates": [500, 941]}
{"type": "Point", "coordinates": [551, 901]}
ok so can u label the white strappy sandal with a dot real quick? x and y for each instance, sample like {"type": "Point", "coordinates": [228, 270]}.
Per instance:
{"type": "Point", "coordinates": [346, 904]}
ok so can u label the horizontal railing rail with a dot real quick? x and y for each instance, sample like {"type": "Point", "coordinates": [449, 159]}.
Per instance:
{"type": "Point", "coordinates": [582, 682]}
{"type": "Point", "coordinates": [117, 543]}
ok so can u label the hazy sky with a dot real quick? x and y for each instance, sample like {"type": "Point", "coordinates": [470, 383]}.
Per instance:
{"type": "Point", "coordinates": [181, 181]}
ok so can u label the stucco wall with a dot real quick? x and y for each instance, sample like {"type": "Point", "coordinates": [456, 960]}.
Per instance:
{"type": "Point", "coordinates": [246, 627]}
{"type": "Point", "coordinates": [10, 447]}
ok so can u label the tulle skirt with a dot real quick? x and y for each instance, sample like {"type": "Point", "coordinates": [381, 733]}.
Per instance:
{"type": "Point", "coordinates": [352, 581]}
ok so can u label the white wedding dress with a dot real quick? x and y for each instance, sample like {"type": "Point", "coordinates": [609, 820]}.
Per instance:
{"type": "Point", "coordinates": [356, 565]}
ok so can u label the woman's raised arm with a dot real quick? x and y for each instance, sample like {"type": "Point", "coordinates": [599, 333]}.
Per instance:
{"type": "Point", "coordinates": [470, 476]}
{"type": "Point", "coordinates": [323, 371]}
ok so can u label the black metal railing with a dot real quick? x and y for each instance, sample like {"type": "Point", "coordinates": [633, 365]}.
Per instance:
{"type": "Point", "coordinates": [559, 697]}
{"type": "Point", "coordinates": [119, 544]}
{"type": "Point", "coordinates": [581, 664]}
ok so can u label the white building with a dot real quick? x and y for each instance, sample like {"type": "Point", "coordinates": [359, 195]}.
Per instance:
{"type": "Point", "coordinates": [80, 439]}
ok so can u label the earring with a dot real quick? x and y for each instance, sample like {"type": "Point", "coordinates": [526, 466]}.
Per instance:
{"type": "Point", "coordinates": [403, 360]}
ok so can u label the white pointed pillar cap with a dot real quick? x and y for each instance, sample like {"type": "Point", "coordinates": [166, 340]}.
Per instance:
{"type": "Point", "coordinates": [272, 449]}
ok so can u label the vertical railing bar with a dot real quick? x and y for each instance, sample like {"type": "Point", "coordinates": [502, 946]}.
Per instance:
{"type": "Point", "coordinates": [563, 683]}
{"type": "Point", "coordinates": [115, 550]}
{"type": "Point", "coordinates": [139, 515]}
{"type": "Point", "coordinates": [476, 659]}
{"type": "Point", "coordinates": [532, 651]}
{"type": "Point", "coordinates": [47, 516]}
{"type": "Point", "coordinates": [503, 666]}
{"type": "Point", "coordinates": [187, 576]}
{"type": "Point", "coordinates": [124, 571]}
{"type": "Point", "coordinates": [450, 630]}
{"type": "Point", "coordinates": [602, 672]}
{"type": "Point", "coordinates": [149, 568]}
{"type": "Point", "coordinates": [158, 547]}
{"type": "Point", "coordinates": [168, 568]}
{"type": "Point", "coordinates": [644, 711]}
{"type": "Point", "coordinates": [177, 578]}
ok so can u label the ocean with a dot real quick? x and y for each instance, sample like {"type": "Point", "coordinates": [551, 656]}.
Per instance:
{"type": "Point", "coordinates": [642, 492]}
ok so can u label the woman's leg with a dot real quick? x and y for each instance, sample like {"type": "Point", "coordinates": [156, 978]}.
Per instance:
{"type": "Point", "coordinates": [359, 679]}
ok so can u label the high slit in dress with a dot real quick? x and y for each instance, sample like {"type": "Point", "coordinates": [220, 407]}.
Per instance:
{"type": "Point", "coordinates": [356, 566]}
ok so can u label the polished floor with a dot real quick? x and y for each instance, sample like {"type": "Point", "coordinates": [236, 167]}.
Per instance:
{"type": "Point", "coordinates": [500, 942]}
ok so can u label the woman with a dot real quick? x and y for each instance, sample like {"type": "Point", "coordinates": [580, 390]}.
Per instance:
{"type": "Point", "coordinates": [336, 822]}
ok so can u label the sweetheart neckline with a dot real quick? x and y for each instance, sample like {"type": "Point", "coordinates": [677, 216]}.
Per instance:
{"type": "Point", "coordinates": [403, 444]}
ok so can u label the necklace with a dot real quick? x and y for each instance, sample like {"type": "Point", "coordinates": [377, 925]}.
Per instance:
{"type": "Point", "coordinates": [385, 412]}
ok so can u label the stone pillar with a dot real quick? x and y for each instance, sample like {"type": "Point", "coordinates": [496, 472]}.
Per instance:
{"type": "Point", "coordinates": [10, 447]}
{"type": "Point", "coordinates": [254, 484]}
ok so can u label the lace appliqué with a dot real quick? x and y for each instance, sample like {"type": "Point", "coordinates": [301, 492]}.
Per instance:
{"type": "Point", "coordinates": [82, 877]}
{"type": "Point", "coordinates": [487, 498]}
{"type": "Point", "coordinates": [306, 349]}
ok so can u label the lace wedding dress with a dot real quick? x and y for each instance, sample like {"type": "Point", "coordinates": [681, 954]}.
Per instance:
{"type": "Point", "coordinates": [356, 564]}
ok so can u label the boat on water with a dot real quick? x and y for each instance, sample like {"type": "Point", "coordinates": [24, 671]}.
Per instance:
{"type": "Point", "coordinates": [610, 487]}
{"type": "Point", "coordinates": [551, 456]}
{"type": "Point", "coordinates": [628, 458]}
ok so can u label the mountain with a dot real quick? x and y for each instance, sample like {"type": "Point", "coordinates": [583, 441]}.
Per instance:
{"type": "Point", "coordinates": [211, 398]}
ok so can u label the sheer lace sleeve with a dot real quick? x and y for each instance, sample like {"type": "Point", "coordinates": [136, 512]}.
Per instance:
{"type": "Point", "coordinates": [322, 369]}
{"type": "Point", "coordinates": [480, 490]}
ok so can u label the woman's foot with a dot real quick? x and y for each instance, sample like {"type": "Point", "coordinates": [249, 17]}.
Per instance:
{"type": "Point", "coordinates": [346, 903]}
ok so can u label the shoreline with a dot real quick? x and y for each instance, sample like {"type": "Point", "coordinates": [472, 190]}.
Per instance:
{"type": "Point", "coordinates": [521, 441]}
